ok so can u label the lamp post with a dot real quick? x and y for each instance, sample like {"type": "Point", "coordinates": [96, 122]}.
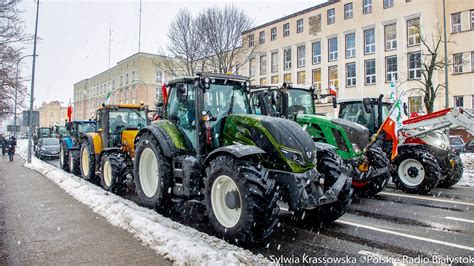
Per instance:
{"type": "Point", "coordinates": [30, 129]}
{"type": "Point", "coordinates": [16, 91]}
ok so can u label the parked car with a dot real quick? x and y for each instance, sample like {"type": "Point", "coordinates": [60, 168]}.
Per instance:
{"type": "Point", "coordinates": [47, 148]}
{"type": "Point", "coordinates": [469, 146]}
{"type": "Point", "coordinates": [456, 143]}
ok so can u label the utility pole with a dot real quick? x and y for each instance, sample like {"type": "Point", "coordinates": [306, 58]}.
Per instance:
{"type": "Point", "coordinates": [16, 91]}
{"type": "Point", "coordinates": [445, 58]}
{"type": "Point", "coordinates": [110, 43]}
{"type": "Point", "coordinates": [30, 130]}
{"type": "Point", "coordinates": [140, 27]}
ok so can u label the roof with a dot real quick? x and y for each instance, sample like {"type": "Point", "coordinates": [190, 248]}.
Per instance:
{"type": "Point", "coordinates": [185, 79]}
{"type": "Point", "coordinates": [126, 106]}
{"type": "Point", "coordinates": [359, 99]}
{"type": "Point", "coordinates": [299, 13]}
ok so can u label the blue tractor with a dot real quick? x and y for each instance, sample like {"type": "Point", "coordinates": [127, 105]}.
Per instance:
{"type": "Point", "coordinates": [70, 145]}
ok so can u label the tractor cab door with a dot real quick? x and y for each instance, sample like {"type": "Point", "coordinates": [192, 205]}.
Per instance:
{"type": "Point", "coordinates": [181, 110]}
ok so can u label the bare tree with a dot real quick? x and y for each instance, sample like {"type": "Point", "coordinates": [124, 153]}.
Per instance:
{"type": "Point", "coordinates": [11, 37]}
{"type": "Point", "coordinates": [221, 30]}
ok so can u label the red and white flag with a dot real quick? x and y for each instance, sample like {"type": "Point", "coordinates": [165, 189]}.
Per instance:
{"type": "Point", "coordinates": [69, 111]}
{"type": "Point", "coordinates": [392, 125]}
{"type": "Point", "coordinates": [332, 90]}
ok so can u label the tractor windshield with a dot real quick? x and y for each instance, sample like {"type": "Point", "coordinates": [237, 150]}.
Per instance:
{"type": "Point", "coordinates": [222, 99]}
{"type": "Point", "coordinates": [85, 127]}
{"type": "Point", "coordinates": [44, 132]}
{"type": "Point", "coordinates": [300, 100]}
{"type": "Point", "coordinates": [122, 118]}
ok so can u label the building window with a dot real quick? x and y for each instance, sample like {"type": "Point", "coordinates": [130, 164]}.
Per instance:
{"type": "Point", "coordinates": [252, 67]}
{"type": "Point", "coordinates": [263, 81]}
{"type": "Point", "coordinates": [332, 75]}
{"type": "Point", "coordinates": [458, 101]}
{"type": "Point", "coordinates": [350, 45]}
{"type": "Point", "coordinates": [387, 3]}
{"type": "Point", "coordinates": [391, 68]}
{"type": "Point", "coordinates": [287, 58]}
{"type": "Point", "coordinates": [413, 31]}
{"type": "Point", "coordinates": [331, 16]}
{"type": "Point", "coordinates": [251, 40]}
{"type": "Point", "coordinates": [159, 76]}
{"type": "Point", "coordinates": [348, 13]}
{"type": "Point", "coordinates": [316, 52]}
{"type": "Point", "coordinates": [301, 56]}
{"type": "Point", "coordinates": [263, 65]}
{"type": "Point", "coordinates": [287, 77]}
{"type": "Point", "coordinates": [274, 62]}
{"type": "Point", "coordinates": [472, 65]}
{"type": "Point", "coordinates": [274, 79]}
{"type": "Point", "coordinates": [350, 74]}
{"type": "Point", "coordinates": [332, 46]}
{"type": "Point", "coordinates": [299, 26]}
{"type": "Point", "coordinates": [370, 72]}
{"type": "Point", "coordinates": [369, 41]}
{"type": "Point", "coordinates": [456, 22]}
{"type": "Point", "coordinates": [457, 63]}
{"type": "Point", "coordinates": [414, 65]}
{"type": "Point", "coordinates": [367, 6]}
{"type": "Point", "coordinates": [121, 80]}
{"type": "Point", "coordinates": [261, 37]}
{"type": "Point", "coordinates": [301, 77]}
{"type": "Point", "coordinates": [472, 24]}
{"type": "Point", "coordinates": [317, 78]}
{"type": "Point", "coordinates": [273, 33]}
{"type": "Point", "coordinates": [390, 37]}
{"type": "Point", "coordinates": [286, 29]}
{"type": "Point", "coordinates": [126, 78]}
{"type": "Point", "coordinates": [415, 104]}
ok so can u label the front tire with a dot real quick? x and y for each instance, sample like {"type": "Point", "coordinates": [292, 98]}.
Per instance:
{"type": "Point", "coordinates": [87, 162]}
{"type": "Point", "coordinates": [415, 170]}
{"type": "Point", "coordinates": [377, 159]}
{"type": "Point", "coordinates": [113, 173]}
{"type": "Point", "coordinates": [63, 156]}
{"type": "Point", "coordinates": [241, 201]}
{"type": "Point", "coordinates": [455, 174]}
{"type": "Point", "coordinates": [74, 162]}
{"type": "Point", "coordinates": [152, 174]}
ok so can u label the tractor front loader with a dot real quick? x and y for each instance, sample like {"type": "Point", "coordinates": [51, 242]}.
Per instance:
{"type": "Point", "coordinates": [106, 154]}
{"type": "Point", "coordinates": [366, 164]}
{"type": "Point", "coordinates": [208, 149]}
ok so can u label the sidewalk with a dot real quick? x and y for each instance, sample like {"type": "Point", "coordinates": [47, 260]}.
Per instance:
{"type": "Point", "coordinates": [41, 224]}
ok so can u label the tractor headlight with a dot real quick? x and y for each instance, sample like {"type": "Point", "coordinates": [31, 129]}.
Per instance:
{"type": "Point", "coordinates": [356, 148]}
{"type": "Point", "coordinates": [293, 156]}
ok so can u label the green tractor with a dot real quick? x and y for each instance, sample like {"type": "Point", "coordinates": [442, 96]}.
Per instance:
{"type": "Point", "coordinates": [208, 149]}
{"type": "Point", "coordinates": [367, 164]}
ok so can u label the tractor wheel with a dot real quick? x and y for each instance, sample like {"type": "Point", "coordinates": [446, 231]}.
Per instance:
{"type": "Point", "coordinates": [74, 162]}
{"type": "Point", "coordinates": [454, 175]}
{"type": "Point", "coordinates": [415, 170]}
{"type": "Point", "coordinates": [114, 173]}
{"type": "Point", "coordinates": [329, 165]}
{"type": "Point", "coordinates": [63, 152]}
{"type": "Point", "coordinates": [152, 174]}
{"type": "Point", "coordinates": [377, 159]}
{"type": "Point", "coordinates": [241, 201]}
{"type": "Point", "coordinates": [87, 162]}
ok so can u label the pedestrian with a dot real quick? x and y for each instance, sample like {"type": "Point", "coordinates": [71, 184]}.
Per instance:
{"type": "Point", "coordinates": [4, 143]}
{"type": "Point", "coordinates": [11, 151]}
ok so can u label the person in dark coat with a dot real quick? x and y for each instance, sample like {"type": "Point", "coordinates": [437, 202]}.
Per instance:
{"type": "Point", "coordinates": [4, 143]}
{"type": "Point", "coordinates": [11, 151]}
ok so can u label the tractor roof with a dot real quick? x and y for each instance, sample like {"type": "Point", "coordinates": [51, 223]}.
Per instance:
{"type": "Point", "coordinates": [278, 86]}
{"type": "Point", "coordinates": [124, 106]}
{"type": "Point", "coordinates": [359, 99]}
{"type": "Point", "coordinates": [188, 79]}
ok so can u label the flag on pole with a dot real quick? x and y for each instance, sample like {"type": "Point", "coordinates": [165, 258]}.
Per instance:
{"type": "Point", "coordinates": [107, 97]}
{"type": "Point", "coordinates": [393, 123]}
{"type": "Point", "coordinates": [69, 111]}
{"type": "Point", "coordinates": [164, 93]}
{"type": "Point", "coordinates": [332, 90]}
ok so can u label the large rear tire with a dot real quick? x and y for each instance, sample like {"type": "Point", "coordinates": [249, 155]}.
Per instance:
{"type": "Point", "coordinates": [74, 162]}
{"type": "Point", "coordinates": [114, 173]}
{"type": "Point", "coordinates": [329, 165]}
{"type": "Point", "coordinates": [415, 170]}
{"type": "Point", "coordinates": [63, 156]}
{"type": "Point", "coordinates": [455, 174]}
{"type": "Point", "coordinates": [241, 201]}
{"type": "Point", "coordinates": [152, 174]}
{"type": "Point", "coordinates": [377, 160]}
{"type": "Point", "coordinates": [87, 159]}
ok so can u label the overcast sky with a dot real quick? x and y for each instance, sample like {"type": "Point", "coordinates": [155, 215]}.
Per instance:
{"type": "Point", "coordinates": [74, 35]}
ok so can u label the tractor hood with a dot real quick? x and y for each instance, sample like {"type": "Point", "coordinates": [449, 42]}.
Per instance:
{"type": "Point", "coordinates": [285, 143]}
{"type": "Point", "coordinates": [357, 134]}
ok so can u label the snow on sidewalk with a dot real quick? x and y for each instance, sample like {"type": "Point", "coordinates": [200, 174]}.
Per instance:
{"type": "Point", "coordinates": [467, 179]}
{"type": "Point", "coordinates": [172, 240]}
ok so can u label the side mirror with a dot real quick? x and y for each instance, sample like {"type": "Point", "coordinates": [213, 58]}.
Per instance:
{"type": "Point", "coordinates": [405, 109]}
{"type": "Point", "coordinates": [182, 92]}
{"type": "Point", "coordinates": [367, 105]}
{"type": "Point", "coordinates": [334, 102]}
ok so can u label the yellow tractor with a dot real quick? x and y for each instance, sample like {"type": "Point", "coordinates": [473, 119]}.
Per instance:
{"type": "Point", "coordinates": [107, 153]}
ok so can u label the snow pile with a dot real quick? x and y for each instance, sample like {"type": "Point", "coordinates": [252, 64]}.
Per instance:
{"type": "Point", "coordinates": [467, 179]}
{"type": "Point", "coordinates": [173, 241]}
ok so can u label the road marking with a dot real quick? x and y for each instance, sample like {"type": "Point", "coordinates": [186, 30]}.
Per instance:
{"type": "Point", "coordinates": [459, 219]}
{"type": "Point", "coordinates": [426, 198]}
{"type": "Point", "coordinates": [407, 235]}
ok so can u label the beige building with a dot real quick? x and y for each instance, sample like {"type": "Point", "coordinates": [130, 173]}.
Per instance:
{"type": "Point", "coordinates": [51, 114]}
{"type": "Point", "coordinates": [361, 46]}
{"type": "Point", "coordinates": [133, 80]}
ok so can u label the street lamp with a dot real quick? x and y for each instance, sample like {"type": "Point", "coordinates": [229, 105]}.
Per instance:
{"type": "Point", "coordinates": [16, 91]}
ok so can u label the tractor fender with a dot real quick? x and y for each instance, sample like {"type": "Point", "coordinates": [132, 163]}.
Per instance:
{"type": "Point", "coordinates": [69, 142]}
{"type": "Point", "coordinates": [321, 146]}
{"type": "Point", "coordinates": [95, 140]}
{"type": "Point", "coordinates": [167, 145]}
{"type": "Point", "coordinates": [238, 151]}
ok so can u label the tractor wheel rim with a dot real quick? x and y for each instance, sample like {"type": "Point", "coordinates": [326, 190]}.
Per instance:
{"type": "Point", "coordinates": [411, 172]}
{"type": "Point", "coordinates": [107, 173]}
{"type": "Point", "coordinates": [71, 161]}
{"type": "Point", "coordinates": [85, 161]}
{"type": "Point", "coordinates": [226, 216]}
{"type": "Point", "coordinates": [61, 155]}
{"type": "Point", "coordinates": [148, 172]}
